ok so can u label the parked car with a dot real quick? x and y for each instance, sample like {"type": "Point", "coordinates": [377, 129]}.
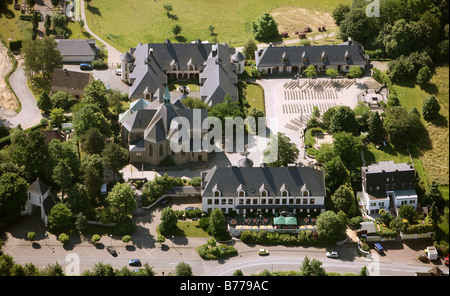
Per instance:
{"type": "Point", "coordinates": [378, 248]}
{"type": "Point", "coordinates": [134, 262]}
{"type": "Point", "coordinates": [263, 252]}
{"type": "Point", "coordinates": [86, 67]}
{"type": "Point", "coordinates": [119, 72]}
{"type": "Point", "coordinates": [446, 261]}
{"type": "Point", "coordinates": [165, 201]}
{"type": "Point", "coordinates": [112, 251]}
{"type": "Point", "coordinates": [332, 254]}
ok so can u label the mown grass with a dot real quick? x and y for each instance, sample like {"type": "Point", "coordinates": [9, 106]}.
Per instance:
{"type": "Point", "coordinates": [255, 96]}
{"type": "Point", "coordinates": [126, 23]}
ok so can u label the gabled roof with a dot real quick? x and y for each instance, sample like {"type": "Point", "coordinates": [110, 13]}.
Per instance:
{"type": "Point", "coordinates": [71, 82]}
{"type": "Point", "coordinates": [76, 47]}
{"type": "Point", "coordinates": [271, 179]}
{"type": "Point", "coordinates": [336, 55]}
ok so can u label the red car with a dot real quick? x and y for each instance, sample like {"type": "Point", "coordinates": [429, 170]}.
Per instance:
{"type": "Point", "coordinates": [446, 260]}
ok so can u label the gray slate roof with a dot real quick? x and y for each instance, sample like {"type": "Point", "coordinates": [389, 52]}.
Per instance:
{"type": "Point", "coordinates": [38, 187]}
{"type": "Point", "coordinates": [152, 60]}
{"type": "Point", "coordinates": [155, 120]}
{"type": "Point", "coordinates": [387, 166]}
{"type": "Point", "coordinates": [76, 47]}
{"type": "Point", "coordinates": [228, 179]}
{"type": "Point", "coordinates": [293, 55]}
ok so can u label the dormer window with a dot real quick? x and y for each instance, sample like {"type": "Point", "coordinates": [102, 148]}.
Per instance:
{"type": "Point", "coordinates": [304, 57]}
{"type": "Point", "coordinates": [283, 190]}
{"type": "Point", "coordinates": [304, 191]}
{"type": "Point", "coordinates": [285, 57]}
{"type": "Point", "coordinates": [324, 56]}
{"type": "Point", "coordinates": [240, 191]}
{"type": "Point", "coordinates": [347, 56]}
{"type": "Point", "coordinates": [262, 191]}
{"type": "Point", "coordinates": [217, 193]}
{"type": "Point", "coordinates": [173, 65]}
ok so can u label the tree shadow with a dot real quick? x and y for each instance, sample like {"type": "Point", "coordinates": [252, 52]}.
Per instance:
{"type": "Point", "coordinates": [4, 11]}
{"type": "Point", "coordinates": [440, 121]}
{"type": "Point", "coordinates": [94, 10]}
{"type": "Point", "coordinates": [180, 39]}
{"type": "Point", "coordinates": [99, 246]}
{"type": "Point", "coordinates": [36, 245]}
{"type": "Point", "coordinates": [173, 17]}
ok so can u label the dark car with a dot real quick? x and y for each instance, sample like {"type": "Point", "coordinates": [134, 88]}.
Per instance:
{"type": "Point", "coordinates": [112, 251]}
{"type": "Point", "coordinates": [165, 201]}
{"type": "Point", "coordinates": [134, 262]}
{"type": "Point", "coordinates": [86, 67]}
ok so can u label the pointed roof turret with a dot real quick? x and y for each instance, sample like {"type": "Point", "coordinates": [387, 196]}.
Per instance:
{"type": "Point", "coordinates": [166, 96]}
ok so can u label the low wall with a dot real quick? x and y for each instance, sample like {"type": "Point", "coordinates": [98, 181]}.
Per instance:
{"type": "Point", "coordinates": [416, 235]}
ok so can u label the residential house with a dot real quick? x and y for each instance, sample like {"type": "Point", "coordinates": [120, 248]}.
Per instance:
{"type": "Point", "coordinates": [70, 82]}
{"type": "Point", "coordinates": [147, 68]}
{"type": "Point", "coordinates": [295, 59]}
{"type": "Point", "coordinates": [263, 189]}
{"type": "Point", "coordinates": [38, 196]}
{"type": "Point", "coordinates": [77, 50]}
{"type": "Point", "coordinates": [147, 131]}
{"type": "Point", "coordinates": [388, 185]}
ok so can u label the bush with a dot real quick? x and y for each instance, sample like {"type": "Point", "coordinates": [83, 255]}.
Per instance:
{"type": "Point", "coordinates": [64, 238]}
{"type": "Point", "coordinates": [208, 252]}
{"type": "Point", "coordinates": [126, 238]}
{"type": "Point", "coordinates": [99, 64]}
{"type": "Point", "coordinates": [197, 181]}
{"type": "Point", "coordinates": [31, 235]}
{"type": "Point", "coordinates": [96, 238]}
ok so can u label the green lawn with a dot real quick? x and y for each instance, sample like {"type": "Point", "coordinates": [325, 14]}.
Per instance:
{"type": "Point", "coordinates": [255, 96]}
{"type": "Point", "coordinates": [126, 23]}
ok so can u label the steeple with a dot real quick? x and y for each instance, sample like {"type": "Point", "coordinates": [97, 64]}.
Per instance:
{"type": "Point", "coordinates": [167, 95]}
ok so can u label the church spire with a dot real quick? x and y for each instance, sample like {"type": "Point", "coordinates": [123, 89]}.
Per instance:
{"type": "Point", "coordinates": [167, 95]}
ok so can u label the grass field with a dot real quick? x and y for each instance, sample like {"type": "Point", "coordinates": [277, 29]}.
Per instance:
{"type": "Point", "coordinates": [126, 23]}
{"type": "Point", "coordinates": [255, 97]}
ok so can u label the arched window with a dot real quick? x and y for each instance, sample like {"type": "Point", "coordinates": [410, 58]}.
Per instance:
{"type": "Point", "coordinates": [174, 67]}
{"type": "Point", "coordinates": [191, 68]}
{"type": "Point", "coordinates": [263, 193]}
{"type": "Point", "coordinates": [284, 193]}
{"type": "Point", "coordinates": [217, 193]}
{"type": "Point", "coordinates": [241, 193]}
{"type": "Point", "coordinates": [305, 193]}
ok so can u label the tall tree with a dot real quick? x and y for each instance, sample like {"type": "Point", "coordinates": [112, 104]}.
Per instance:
{"type": "Point", "coordinates": [13, 195]}
{"type": "Point", "coordinates": [347, 147]}
{"type": "Point", "coordinates": [287, 151]}
{"type": "Point", "coordinates": [344, 200]}
{"type": "Point", "coordinates": [344, 120]}
{"type": "Point", "coordinates": [121, 201]}
{"type": "Point", "coordinates": [376, 128]}
{"type": "Point", "coordinates": [265, 27]}
{"type": "Point", "coordinates": [310, 72]}
{"type": "Point", "coordinates": [168, 220]}
{"type": "Point", "coordinates": [431, 108]}
{"type": "Point", "coordinates": [249, 49]}
{"type": "Point", "coordinates": [90, 116]}
{"type": "Point", "coordinates": [41, 56]}
{"type": "Point", "coordinates": [114, 157]}
{"type": "Point", "coordinates": [312, 267]}
{"type": "Point", "coordinates": [93, 142]}
{"type": "Point", "coordinates": [95, 93]}
{"type": "Point", "coordinates": [331, 226]}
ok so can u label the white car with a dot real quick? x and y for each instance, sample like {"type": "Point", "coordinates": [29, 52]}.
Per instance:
{"type": "Point", "coordinates": [332, 254]}
{"type": "Point", "coordinates": [119, 72]}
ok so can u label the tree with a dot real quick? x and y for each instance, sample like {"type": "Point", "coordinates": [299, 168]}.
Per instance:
{"type": "Point", "coordinates": [332, 73]}
{"type": "Point", "coordinates": [62, 100]}
{"type": "Point", "coordinates": [115, 99]}
{"type": "Point", "coordinates": [63, 237]}
{"type": "Point", "coordinates": [66, 151]}
{"type": "Point", "coordinates": [402, 126]}
{"type": "Point", "coordinates": [30, 152]}
{"type": "Point", "coordinates": [430, 108]}
{"type": "Point", "coordinates": [168, 7]}
{"type": "Point", "coordinates": [424, 75]}
{"type": "Point", "coordinates": [434, 195]}
{"type": "Point", "coordinates": [59, 23]}
{"type": "Point", "coordinates": [176, 29]}
{"type": "Point", "coordinates": [347, 147]}
{"type": "Point", "coordinates": [62, 175]}
{"type": "Point", "coordinates": [249, 49]}
{"type": "Point", "coordinates": [44, 103]}
{"type": "Point", "coordinates": [13, 196]}
{"type": "Point", "coordinates": [77, 199]}
{"type": "Point", "coordinates": [95, 93]}
{"type": "Point", "coordinates": [121, 201]}
{"type": "Point", "coordinates": [217, 222]}
{"type": "Point", "coordinates": [114, 157]}
{"type": "Point", "coordinates": [310, 72]}
{"type": "Point", "coordinates": [96, 238]}
{"type": "Point", "coordinates": [397, 39]}
{"type": "Point", "coordinates": [211, 29]}
{"type": "Point", "coordinates": [57, 117]}
{"type": "Point", "coordinates": [344, 200]}
{"type": "Point", "coordinates": [355, 72]}
{"type": "Point", "coordinates": [340, 12]}
{"type": "Point", "coordinates": [331, 226]}
{"type": "Point", "coordinates": [344, 120]}
{"type": "Point", "coordinates": [168, 220]}
{"type": "Point", "coordinates": [93, 142]}
{"type": "Point", "coordinates": [81, 222]}
{"type": "Point", "coordinates": [228, 108]}
{"type": "Point", "coordinates": [336, 174]}
{"type": "Point", "coordinates": [265, 27]}
{"type": "Point", "coordinates": [90, 116]}
{"type": "Point", "coordinates": [41, 56]}
{"type": "Point", "coordinates": [376, 128]}
{"type": "Point", "coordinates": [287, 151]}
{"type": "Point", "coordinates": [407, 212]}
{"type": "Point", "coordinates": [183, 269]}
{"type": "Point", "coordinates": [312, 267]}
{"type": "Point", "coordinates": [355, 25]}
{"type": "Point", "coordinates": [60, 218]}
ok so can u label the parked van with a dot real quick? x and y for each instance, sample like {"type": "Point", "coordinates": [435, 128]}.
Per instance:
{"type": "Point", "coordinates": [85, 67]}
{"type": "Point", "coordinates": [378, 248]}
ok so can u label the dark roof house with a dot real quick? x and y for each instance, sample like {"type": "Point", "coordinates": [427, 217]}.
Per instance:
{"type": "Point", "coordinates": [151, 65]}
{"type": "Point", "coordinates": [70, 82]}
{"type": "Point", "coordinates": [77, 50]}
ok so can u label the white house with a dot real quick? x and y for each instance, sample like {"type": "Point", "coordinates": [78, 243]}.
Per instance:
{"type": "Point", "coordinates": [38, 196]}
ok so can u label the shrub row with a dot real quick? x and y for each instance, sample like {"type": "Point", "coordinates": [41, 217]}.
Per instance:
{"type": "Point", "coordinates": [213, 253]}
{"type": "Point", "coordinates": [265, 238]}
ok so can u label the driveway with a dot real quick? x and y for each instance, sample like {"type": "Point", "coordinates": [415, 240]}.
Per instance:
{"type": "Point", "coordinates": [29, 114]}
